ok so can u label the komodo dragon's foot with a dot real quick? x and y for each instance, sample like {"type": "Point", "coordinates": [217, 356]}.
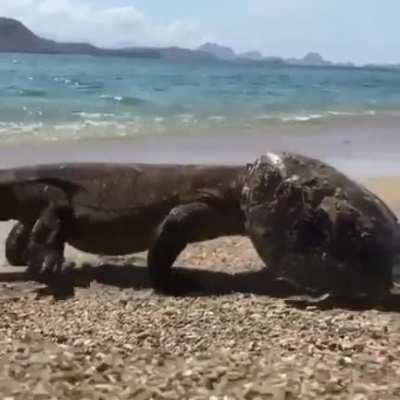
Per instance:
{"type": "Point", "coordinates": [17, 244]}
{"type": "Point", "coordinates": [46, 245]}
{"type": "Point", "coordinates": [46, 262]}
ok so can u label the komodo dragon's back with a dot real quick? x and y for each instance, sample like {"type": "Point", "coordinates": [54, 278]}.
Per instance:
{"type": "Point", "coordinates": [114, 186]}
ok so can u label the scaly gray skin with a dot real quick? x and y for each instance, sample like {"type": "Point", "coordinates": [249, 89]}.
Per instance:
{"type": "Point", "coordinates": [309, 223]}
{"type": "Point", "coordinates": [115, 209]}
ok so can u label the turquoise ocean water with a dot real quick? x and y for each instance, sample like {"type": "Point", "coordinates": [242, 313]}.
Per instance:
{"type": "Point", "coordinates": [55, 97]}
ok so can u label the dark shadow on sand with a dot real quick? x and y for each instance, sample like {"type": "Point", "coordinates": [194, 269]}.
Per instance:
{"type": "Point", "coordinates": [192, 282]}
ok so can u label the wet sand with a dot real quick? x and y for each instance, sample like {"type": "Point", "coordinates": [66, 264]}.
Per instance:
{"type": "Point", "coordinates": [366, 147]}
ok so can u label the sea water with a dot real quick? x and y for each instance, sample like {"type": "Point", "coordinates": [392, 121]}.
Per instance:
{"type": "Point", "coordinates": [56, 97]}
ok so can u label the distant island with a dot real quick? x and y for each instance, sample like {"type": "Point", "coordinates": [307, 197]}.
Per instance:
{"type": "Point", "coordinates": [311, 59]}
{"type": "Point", "coordinates": [15, 37]}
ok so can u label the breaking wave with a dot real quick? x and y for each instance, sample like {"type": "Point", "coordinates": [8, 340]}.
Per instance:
{"type": "Point", "coordinates": [101, 125]}
{"type": "Point", "coordinates": [124, 100]}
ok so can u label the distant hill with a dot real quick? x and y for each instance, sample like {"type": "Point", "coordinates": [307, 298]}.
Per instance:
{"type": "Point", "coordinates": [179, 53]}
{"type": "Point", "coordinates": [311, 59]}
{"type": "Point", "coordinates": [16, 37]}
{"type": "Point", "coordinates": [226, 53]}
{"type": "Point", "coordinates": [314, 59]}
{"type": "Point", "coordinates": [251, 55]}
{"type": "Point", "coordinates": [221, 52]}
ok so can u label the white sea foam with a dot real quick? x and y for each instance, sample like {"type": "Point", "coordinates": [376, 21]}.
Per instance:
{"type": "Point", "coordinates": [265, 117]}
{"type": "Point", "coordinates": [18, 128]}
{"type": "Point", "coordinates": [90, 115]}
{"type": "Point", "coordinates": [67, 127]}
{"type": "Point", "coordinates": [102, 125]}
{"type": "Point", "coordinates": [302, 118]}
{"type": "Point", "coordinates": [351, 113]}
{"type": "Point", "coordinates": [187, 119]}
{"type": "Point", "coordinates": [307, 117]}
{"type": "Point", "coordinates": [62, 80]}
{"type": "Point", "coordinates": [109, 97]}
{"type": "Point", "coordinates": [340, 113]}
{"type": "Point", "coordinates": [217, 118]}
{"type": "Point", "coordinates": [288, 117]}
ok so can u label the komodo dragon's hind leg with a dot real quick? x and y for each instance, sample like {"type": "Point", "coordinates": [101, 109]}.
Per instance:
{"type": "Point", "coordinates": [185, 224]}
{"type": "Point", "coordinates": [47, 241]}
{"type": "Point", "coordinates": [17, 244]}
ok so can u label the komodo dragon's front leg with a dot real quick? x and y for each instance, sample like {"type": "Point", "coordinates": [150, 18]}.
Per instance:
{"type": "Point", "coordinates": [47, 241]}
{"type": "Point", "coordinates": [185, 224]}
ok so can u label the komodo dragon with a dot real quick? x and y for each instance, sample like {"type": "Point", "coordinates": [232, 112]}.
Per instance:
{"type": "Point", "coordinates": [307, 221]}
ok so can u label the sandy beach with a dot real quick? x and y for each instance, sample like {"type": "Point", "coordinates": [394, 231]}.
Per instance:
{"type": "Point", "coordinates": [237, 338]}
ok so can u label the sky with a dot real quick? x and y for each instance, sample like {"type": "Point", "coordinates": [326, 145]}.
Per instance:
{"type": "Point", "coordinates": [361, 31]}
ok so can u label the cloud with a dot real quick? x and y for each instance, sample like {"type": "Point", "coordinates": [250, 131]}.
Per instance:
{"type": "Point", "coordinates": [112, 26]}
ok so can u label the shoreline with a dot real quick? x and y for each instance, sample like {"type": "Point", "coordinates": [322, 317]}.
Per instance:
{"type": "Point", "coordinates": [363, 147]}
